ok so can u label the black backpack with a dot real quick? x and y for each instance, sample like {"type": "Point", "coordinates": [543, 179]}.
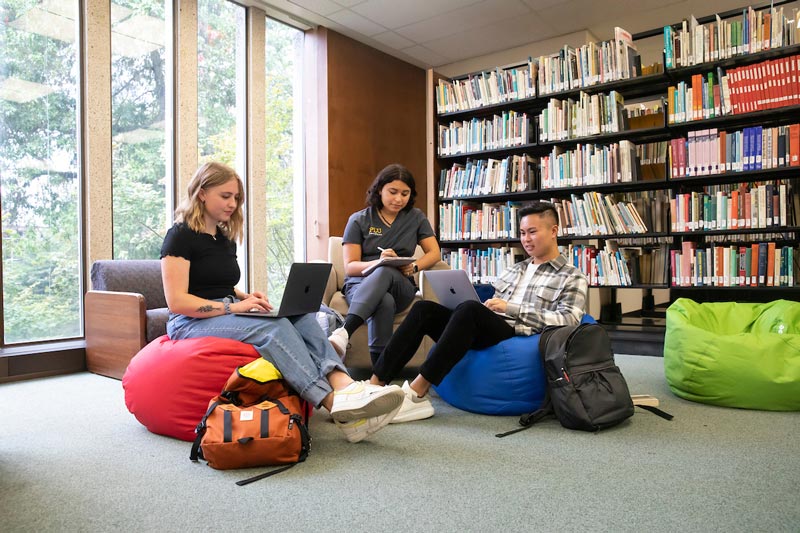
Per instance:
{"type": "Point", "coordinates": [585, 388]}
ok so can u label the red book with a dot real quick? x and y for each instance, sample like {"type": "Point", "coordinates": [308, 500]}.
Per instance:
{"type": "Point", "coordinates": [795, 84]}
{"type": "Point", "coordinates": [748, 209]}
{"type": "Point", "coordinates": [783, 81]}
{"type": "Point", "coordinates": [794, 145]}
{"type": "Point", "coordinates": [770, 264]}
{"type": "Point", "coordinates": [754, 265]}
{"type": "Point", "coordinates": [673, 157]}
{"type": "Point", "coordinates": [742, 265]}
{"type": "Point", "coordinates": [687, 263]}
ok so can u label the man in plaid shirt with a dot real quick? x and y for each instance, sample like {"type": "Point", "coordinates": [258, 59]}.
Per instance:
{"type": "Point", "coordinates": [543, 290]}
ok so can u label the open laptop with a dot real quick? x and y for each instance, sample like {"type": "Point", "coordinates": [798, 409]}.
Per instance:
{"type": "Point", "coordinates": [452, 287]}
{"type": "Point", "coordinates": [305, 287]}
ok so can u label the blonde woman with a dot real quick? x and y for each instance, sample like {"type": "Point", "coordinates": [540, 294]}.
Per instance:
{"type": "Point", "coordinates": [199, 270]}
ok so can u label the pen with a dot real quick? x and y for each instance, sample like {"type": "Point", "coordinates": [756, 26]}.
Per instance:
{"type": "Point", "coordinates": [381, 249]}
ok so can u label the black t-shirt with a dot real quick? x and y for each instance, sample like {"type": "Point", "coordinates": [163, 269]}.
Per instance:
{"type": "Point", "coordinates": [213, 270]}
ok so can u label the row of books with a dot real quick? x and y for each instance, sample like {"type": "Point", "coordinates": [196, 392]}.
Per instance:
{"type": "Point", "coordinates": [763, 264]}
{"type": "Point", "coordinates": [461, 220]}
{"type": "Point", "coordinates": [487, 88]}
{"type": "Point", "coordinates": [590, 164]}
{"type": "Point", "coordinates": [594, 213]}
{"type": "Point", "coordinates": [590, 64]}
{"type": "Point", "coordinates": [476, 135]}
{"type": "Point", "coordinates": [731, 207]}
{"type": "Point", "coordinates": [693, 43]}
{"type": "Point", "coordinates": [590, 114]}
{"type": "Point", "coordinates": [620, 266]}
{"type": "Point", "coordinates": [515, 173]}
{"type": "Point", "coordinates": [653, 153]}
{"type": "Point", "coordinates": [709, 151]}
{"type": "Point", "coordinates": [766, 85]}
{"type": "Point", "coordinates": [485, 265]}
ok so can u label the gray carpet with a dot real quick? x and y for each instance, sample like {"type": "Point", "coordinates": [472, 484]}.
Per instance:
{"type": "Point", "coordinates": [73, 459]}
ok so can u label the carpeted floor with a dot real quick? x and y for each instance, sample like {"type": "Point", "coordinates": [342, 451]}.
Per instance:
{"type": "Point", "coordinates": [73, 459]}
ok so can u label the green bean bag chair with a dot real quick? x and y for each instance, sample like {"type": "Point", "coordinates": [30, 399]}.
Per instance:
{"type": "Point", "coordinates": [734, 354]}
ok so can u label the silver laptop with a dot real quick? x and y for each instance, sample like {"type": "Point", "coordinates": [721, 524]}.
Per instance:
{"type": "Point", "coordinates": [451, 287]}
{"type": "Point", "coordinates": [305, 287]}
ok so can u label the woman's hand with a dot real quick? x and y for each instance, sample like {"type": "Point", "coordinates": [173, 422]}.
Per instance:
{"type": "Point", "coordinates": [258, 300]}
{"type": "Point", "coordinates": [497, 305]}
{"type": "Point", "coordinates": [407, 270]}
{"type": "Point", "coordinates": [387, 252]}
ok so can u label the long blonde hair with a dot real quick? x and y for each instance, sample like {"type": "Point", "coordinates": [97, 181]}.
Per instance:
{"type": "Point", "coordinates": [191, 210]}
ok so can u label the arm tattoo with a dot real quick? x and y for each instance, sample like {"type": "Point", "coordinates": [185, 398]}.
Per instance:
{"type": "Point", "coordinates": [205, 308]}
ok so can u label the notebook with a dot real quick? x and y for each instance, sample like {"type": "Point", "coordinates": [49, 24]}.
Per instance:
{"type": "Point", "coordinates": [453, 287]}
{"type": "Point", "coordinates": [305, 287]}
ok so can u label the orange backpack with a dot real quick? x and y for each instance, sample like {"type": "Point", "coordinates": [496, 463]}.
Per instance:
{"type": "Point", "coordinates": [256, 420]}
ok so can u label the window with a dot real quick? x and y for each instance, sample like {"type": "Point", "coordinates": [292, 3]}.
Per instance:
{"type": "Point", "coordinates": [221, 83]}
{"type": "Point", "coordinates": [284, 153]}
{"type": "Point", "coordinates": [39, 173]}
{"type": "Point", "coordinates": [221, 89]}
{"type": "Point", "coordinates": [139, 113]}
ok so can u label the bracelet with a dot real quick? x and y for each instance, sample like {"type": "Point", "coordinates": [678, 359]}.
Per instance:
{"type": "Point", "coordinates": [227, 306]}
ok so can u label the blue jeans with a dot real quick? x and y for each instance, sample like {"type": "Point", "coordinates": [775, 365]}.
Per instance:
{"type": "Point", "coordinates": [296, 346]}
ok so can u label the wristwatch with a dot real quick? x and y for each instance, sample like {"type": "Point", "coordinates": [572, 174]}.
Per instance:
{"type": "Point", "coordinates": [415, 267]}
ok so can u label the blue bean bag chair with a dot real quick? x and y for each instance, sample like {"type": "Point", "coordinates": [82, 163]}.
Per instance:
{"type": "Point", "coordinates": [505, 379]}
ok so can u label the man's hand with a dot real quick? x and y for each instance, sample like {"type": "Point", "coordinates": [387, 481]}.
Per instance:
{"type": "Point", "coordinates": [497, 305]}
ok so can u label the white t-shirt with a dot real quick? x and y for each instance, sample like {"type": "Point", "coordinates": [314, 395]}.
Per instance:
{"type": "Point", "coordinates": [519, 291]}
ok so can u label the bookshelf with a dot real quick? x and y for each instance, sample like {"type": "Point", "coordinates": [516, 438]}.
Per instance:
{"type": "Point", "coordinates": [631, 218]}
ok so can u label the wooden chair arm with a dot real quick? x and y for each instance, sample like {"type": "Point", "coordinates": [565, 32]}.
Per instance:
{"type": "Point", "coordinates": [115, 330]}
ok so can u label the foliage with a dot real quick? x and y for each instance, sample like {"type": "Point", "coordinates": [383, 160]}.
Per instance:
{"type": "Point", "coordinates": [39, 154]}
{"type": "Point", "coordinates": [39, 181]}
{"type": "Point", "coordinates": [283, 46]}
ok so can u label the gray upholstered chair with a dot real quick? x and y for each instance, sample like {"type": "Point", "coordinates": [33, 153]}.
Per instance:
{"type": "Point", "coordinates": [125, 309]}
{"type": "Point", "coordinates": [357, 358]}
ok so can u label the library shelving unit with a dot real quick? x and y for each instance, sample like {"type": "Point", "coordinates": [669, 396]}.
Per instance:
{"type": "Point", "coordinates": [717, 219]}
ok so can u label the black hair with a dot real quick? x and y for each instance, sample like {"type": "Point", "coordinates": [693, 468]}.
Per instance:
{"type": "Point", "coordinates": [389, 174]}
{"type": "Point", "coordinates": [538, 208]}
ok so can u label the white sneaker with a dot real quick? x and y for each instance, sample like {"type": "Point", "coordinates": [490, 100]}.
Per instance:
{"type": "Point", "coordinates": [361, 399]}
{"type": "Point", "coordinates": [339, 339]}
{"type": "Point", "coordinates": [360, 429]}
{"type": "Point", "coordinates": [414, 407]}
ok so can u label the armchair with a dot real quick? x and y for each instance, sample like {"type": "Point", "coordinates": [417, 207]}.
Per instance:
{"type": "Point", "coordinates": [357, 358]}
{"type": "Point", "coordinates": [125, 309]}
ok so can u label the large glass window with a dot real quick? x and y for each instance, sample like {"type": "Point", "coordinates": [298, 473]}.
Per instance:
{"type": "Point", "coordinates": [139, 113]}
{"type": "Point", "coordinates": [221, 91]}
{"type": "Point", "coordinates": [284, 151]}
{"type": "Point", "coordinates": [221, 83]}
{"type": "Point", "coordinates": [39, 170]}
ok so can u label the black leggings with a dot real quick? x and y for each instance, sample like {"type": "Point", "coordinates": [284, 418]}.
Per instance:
{"type": "Point", "coordinates": [470, 325]}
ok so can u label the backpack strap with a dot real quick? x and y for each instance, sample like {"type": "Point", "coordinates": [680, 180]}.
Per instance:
{"type": "Point", "coordinates": [305, 440]}
{"type": "Point", "coordinates": [201, 430]}
{"type": "Point", "coordinates": [656, 411]}
{"type": "Point", "coordinates": [265, 475]}
{"type": "Point", "coordinates": [528, 420]}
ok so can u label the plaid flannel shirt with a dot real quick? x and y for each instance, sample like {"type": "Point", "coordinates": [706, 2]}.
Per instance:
{"type": "Point", "coordinates": [556, 295]}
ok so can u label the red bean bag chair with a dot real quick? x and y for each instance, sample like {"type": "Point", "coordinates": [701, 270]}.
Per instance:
{"type": "Point", "coordinates": [168, 383]}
